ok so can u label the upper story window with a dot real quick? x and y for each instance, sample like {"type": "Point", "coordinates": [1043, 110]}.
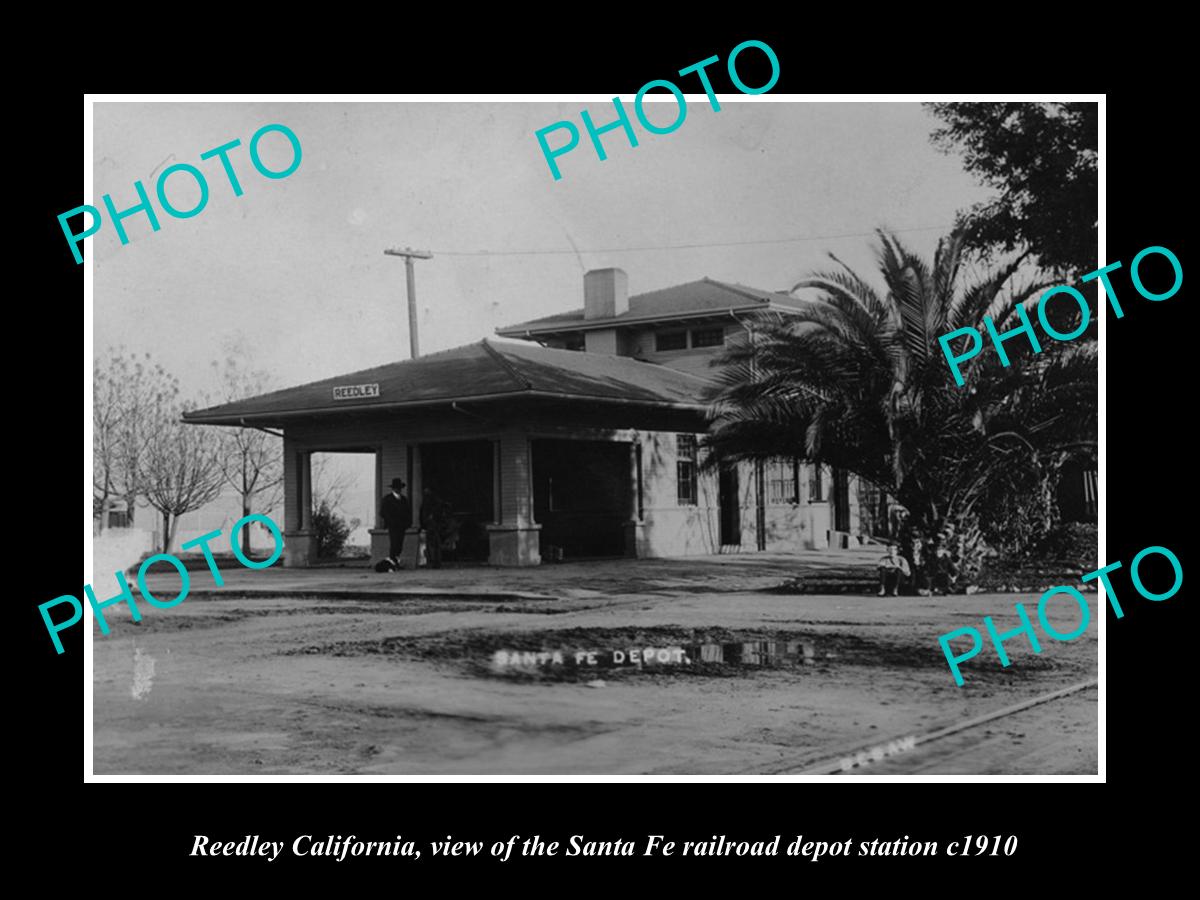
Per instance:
{"type": "Point", "coordinates": [670, 340]}
{"type": "Point", "coordinates": [708, 337]}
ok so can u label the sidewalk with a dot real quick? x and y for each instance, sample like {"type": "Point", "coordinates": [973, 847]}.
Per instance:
{"type": "Point", "coordinates": [608, 577]}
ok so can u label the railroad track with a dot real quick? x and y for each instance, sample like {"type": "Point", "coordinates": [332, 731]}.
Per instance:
{"type": "Point", "coordinates": [835, 765]}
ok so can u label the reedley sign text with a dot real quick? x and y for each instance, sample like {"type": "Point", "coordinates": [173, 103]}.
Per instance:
{"type": "Point", "coordinates": [355, 391]}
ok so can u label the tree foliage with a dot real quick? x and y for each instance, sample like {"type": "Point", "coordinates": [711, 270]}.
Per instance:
{"type": "Point", "coordinates": [330, 482]}
{"type": "Point", "coordinates": [131, 394]}
{"type": "Point", "coordinates": [141, 448]}
{"type": "Point", "coordinates": [250, 461]}
{"type": "Point", "coordinates": [182, 470]}
{"type": "Point", "coordinates": [857, 380]}
{"type": "Point", "coordinates": [1041, 157]}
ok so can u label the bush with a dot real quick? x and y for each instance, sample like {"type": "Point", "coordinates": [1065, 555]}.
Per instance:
{"type": "Point", "coordinates": [1073, 542]}
{"type": "Point", "coordinates": [330, 530]}
{"type": "Point", "coordinates": [1058, 559]}
{"type": "Point", "coordinates": [1021, 506]}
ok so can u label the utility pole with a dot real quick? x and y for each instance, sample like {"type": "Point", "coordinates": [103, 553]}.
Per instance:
{"type": "Point", "coordinates": [409, 255]}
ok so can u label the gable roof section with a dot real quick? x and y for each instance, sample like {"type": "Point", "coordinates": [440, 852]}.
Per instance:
{"type": "Point", "coordinates": [483, 371]}
{"type": "Point", "coordinates": [699, 298]}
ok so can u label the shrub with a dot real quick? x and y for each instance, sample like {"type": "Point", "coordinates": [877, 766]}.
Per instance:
{"type": "Point", "coordinates": [1021, 509]}
{"type": "Point", "coordinates": [1073, 542]}
{"type": "Point", "coordinates": [330, 530]}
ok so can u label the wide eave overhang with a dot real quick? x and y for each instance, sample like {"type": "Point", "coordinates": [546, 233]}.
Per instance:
{"type": "Point", "coordinates": [554, 329]}
{"type": "Point", "coordinates": [478, 403]}
{"type": "Point", "coordinates": [483, 378]}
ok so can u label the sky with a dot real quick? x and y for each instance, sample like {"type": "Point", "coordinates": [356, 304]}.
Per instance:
{"type": "Point", "coordinates": [294, 272]}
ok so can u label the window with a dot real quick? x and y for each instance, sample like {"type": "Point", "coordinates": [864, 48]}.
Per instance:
{"type": "Point", "coordinates": [573, 342]}
{"type": "Point", "coordinates": [816, 485]}
{"type": "Point", "coordinates": [783, 481]}
{"type": "Point", "coordinates": [1090, 493]}
{"type": "Point", "coordinates": [708, 337]}
{"type": "Point", "coordinates": [685, 469]}
{"type": "Point", "coordinates": [116, 513]}
{"type": "Point", "coordinates": [671, 340]}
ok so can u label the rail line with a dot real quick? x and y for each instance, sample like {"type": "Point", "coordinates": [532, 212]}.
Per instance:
{"type": "Point", "coordinates": [833, 765]}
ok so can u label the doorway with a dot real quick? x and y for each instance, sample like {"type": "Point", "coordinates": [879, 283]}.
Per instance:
{"type": "Point", "coordinates": [841, 501]}
{"type": "Point", "coordinates": [583, 494]}
{"type": "Point", "coordinates": [343, 495]}
{"type": "Point", "coordinates": [461, 473]}
{"type": "Point", "coordinates": [730, 510]}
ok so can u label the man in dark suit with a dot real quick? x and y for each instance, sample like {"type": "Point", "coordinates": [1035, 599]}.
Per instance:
{"type": "Point", "coordinates": [396, 512]}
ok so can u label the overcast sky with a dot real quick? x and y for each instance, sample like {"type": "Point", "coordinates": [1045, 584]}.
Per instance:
{"type": "Point", "coordinates": [295, 270]}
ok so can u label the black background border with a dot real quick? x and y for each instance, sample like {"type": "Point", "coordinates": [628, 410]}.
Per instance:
{"type": "Point", "coordinates": [1147, 447]}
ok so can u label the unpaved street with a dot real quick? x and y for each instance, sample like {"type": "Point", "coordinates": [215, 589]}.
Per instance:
{"type": "Point", "coordinates": [279, 683]}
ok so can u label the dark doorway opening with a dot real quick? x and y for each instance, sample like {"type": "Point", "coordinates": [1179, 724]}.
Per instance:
{"type": "Point", "coordinates": [461, 474]}
{"type": "Point", "coordinates": [582, 497]}
{"type": "Point", "coordinates": [841, 500]}
{"type": "Point", "coordinates": [731, 513]}
{"type": "Point", "coordinates": [760, 505]}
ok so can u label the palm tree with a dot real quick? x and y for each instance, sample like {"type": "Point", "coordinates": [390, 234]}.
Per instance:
{"type": "Point", "coordinates": [857, 380]}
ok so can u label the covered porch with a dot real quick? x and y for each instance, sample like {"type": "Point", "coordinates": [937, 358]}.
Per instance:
{"type": "Point", "coordinates": [536, 452]}
{"type": "Point", "coordinates": [517, 495]}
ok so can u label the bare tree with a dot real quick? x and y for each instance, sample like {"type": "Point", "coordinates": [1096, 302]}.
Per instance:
{"type": "Point", "coordinates": [182, 470]}
{"type": "Point", "coordinates": [129, 392]}
{"type": "Point", "coordinates": [250, 460]}
{"type": "Point", "coordinates": [329, 484]}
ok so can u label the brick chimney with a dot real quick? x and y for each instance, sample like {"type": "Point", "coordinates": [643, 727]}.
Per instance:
{"type": "Point", "coordinates": [605, 293]}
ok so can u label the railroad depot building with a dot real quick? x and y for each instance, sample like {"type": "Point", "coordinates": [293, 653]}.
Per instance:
{"type": "Point", "coordinates": [578, 439]}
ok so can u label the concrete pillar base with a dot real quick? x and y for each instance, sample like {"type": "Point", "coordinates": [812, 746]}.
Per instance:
{"type": "Point", "coordinates": [379, 543]}
{"type": "Point", "coordinates": [514, 545]}
{"type": "Point", "coordinates": [414, 547]}
{"type": "Point", "coordinates": [298, 549]}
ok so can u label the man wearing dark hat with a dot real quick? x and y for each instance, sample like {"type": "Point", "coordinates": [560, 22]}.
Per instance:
{"type": "Point", "coordinates": [396, 512]}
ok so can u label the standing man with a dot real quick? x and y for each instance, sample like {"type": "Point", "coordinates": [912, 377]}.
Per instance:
{"type": "Point", "coordinates": [396, 512]}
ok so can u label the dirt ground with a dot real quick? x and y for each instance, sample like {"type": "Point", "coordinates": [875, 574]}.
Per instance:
{"type": "Point", "coordinates": [320, 673]}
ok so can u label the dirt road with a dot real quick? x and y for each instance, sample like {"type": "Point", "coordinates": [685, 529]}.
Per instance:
{"type": "Point", "coordinates": [1056, 739]}
{"type": "Point", "coordinates": [271, 685]}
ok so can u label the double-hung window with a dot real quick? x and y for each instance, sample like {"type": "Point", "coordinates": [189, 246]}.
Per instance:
{"type": "Point", "coordinates": [685, 469]}
{"type": "Point", "coordinates": [783, 481]}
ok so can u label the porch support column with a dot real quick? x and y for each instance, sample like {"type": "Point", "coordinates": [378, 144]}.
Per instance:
{"type": "Point", "coordinates": [414, 537]}
{"type": "Point", "coordinates": [514, 539]}
{"type": "Point", "coordinates": [635, 525]}
{"type": "Point", "coordinates": [391, 461]}
{"type": "Point", "coordinates": [298, 542]}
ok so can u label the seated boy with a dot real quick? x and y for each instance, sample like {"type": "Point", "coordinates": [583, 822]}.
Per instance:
{"type": "Point", "coordinates": [893, 570]}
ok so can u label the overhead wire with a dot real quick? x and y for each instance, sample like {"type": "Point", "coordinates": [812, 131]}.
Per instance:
{"type": "Point", "coordinates": [698, 246]}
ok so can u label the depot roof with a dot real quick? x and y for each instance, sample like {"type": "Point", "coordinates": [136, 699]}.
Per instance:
{"type": "Point", "coordinates": [488, 370]}
{"type": "Point", "coordinates": [695, 299]}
